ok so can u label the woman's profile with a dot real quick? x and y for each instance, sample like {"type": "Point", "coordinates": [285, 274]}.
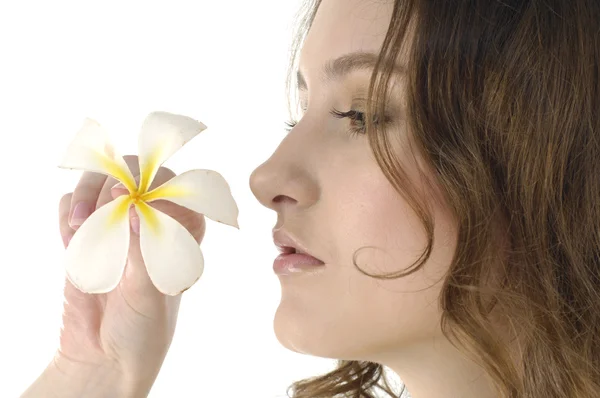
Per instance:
{"type": "Point", "coordinates": [439, 190]}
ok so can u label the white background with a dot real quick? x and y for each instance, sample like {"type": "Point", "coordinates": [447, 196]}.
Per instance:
{"type": "Point", "coordinates": [221, 62]}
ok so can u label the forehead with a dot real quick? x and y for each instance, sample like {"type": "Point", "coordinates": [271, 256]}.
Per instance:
{"type": "Point", "coordinates": [344, 26]}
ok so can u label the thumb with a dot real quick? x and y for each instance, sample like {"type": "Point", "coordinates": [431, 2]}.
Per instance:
{"type": "Point", "coordinates": [135, 275]}
{"type": "Point", "coordinates": [136, 285]}
{"type": "Point", "coordinates": [137, 288]}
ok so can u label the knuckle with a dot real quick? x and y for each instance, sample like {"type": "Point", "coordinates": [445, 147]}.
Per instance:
{"type": "Point", "coordinates": [201, 228]}
{"type": "Point", "coordinates": [89, 182]}
{"type": "Point", "coordinates": [168, 172]}
{"type": "Point", "coordinates": [66, 197]}
{"type": "Point", "coordinates": [130, 159]}
{"type": "Point", "coordinates": [83, 187]}
{"type": "Point", "coordinates": [132, 162]}
{"type": "Point", "coordinates": [163, 175]}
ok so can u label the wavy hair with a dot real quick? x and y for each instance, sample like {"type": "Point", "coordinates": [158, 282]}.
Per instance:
{"type": "Point", "coordinates": [503, 104]}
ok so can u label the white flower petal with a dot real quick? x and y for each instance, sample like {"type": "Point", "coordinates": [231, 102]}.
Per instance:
{"type": "Point", "coordinates": [97, 253]}
{"type": "Point", "coordinates": [162, 134]}
{"type": "Point", "coordinates": [91, 150]}
{"type": "Point", "coordinates": [203, 191]}
{"type": "Point", "coordinates": [172, 256]}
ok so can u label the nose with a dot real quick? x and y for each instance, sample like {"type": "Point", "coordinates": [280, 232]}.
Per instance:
{"type": "Point", "coordinates": [287, 178]}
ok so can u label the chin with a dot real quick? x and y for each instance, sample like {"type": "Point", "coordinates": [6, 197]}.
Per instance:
{"type": "Point", "coordinates": [302, 332]}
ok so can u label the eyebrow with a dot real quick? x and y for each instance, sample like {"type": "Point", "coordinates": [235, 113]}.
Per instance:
{"type": "Point", "coordinates": [337, 68]}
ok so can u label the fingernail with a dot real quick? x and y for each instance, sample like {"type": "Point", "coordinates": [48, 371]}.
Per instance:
{"type": "Point", "coordinates": [118, 190]}
{"type": "Point", "coordinates": [81, 212]}
{"type": "Point", "coordinates": [135, 225]}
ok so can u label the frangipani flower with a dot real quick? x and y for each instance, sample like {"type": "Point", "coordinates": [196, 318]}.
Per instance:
{"type": "Point", "coordinates": [97, 253]}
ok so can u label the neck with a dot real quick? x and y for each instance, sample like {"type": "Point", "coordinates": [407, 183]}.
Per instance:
{"type": "Point", "coordinates": [440, 370]}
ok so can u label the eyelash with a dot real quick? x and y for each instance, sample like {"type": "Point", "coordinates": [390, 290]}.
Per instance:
{"type": "Point", "coordinates": [352, 114]}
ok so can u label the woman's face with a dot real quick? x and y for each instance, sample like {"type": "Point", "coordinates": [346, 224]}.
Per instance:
{"type": "Point", "coordinates": [330, 194]}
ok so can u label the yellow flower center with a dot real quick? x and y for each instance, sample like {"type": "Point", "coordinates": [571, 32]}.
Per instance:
{"type": "Point", "coordinates": [136, 197]}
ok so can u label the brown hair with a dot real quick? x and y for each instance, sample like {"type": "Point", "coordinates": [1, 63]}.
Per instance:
{"type": "Point", "coordinates": [503, 103]}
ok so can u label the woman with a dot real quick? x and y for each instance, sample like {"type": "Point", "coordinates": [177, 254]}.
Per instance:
{"type": "Point", "coordinates": [445, 171]}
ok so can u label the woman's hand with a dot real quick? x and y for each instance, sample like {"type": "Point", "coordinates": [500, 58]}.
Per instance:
{"type": "Point", "coordinates": [125, 333]}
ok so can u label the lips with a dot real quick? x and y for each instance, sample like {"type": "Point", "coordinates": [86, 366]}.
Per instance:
{"type": "Point", "coordinates": [294, 257]}
{"type": "Point", "coordinates": [291, 250]}
{"type": "Point", "coordinates": [287, 244]}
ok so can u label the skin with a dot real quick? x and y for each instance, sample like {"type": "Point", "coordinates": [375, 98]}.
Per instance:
{"type": "Point", "coordinates": [113, 344]}
{"type": "Point", "coordinates": [330, 194]}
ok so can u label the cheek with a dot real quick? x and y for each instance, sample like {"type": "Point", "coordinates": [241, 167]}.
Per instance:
{"type": "Point", "coordinates": [390, 239]}
{"type": "Point", "coordinates": [374, 222]}
{"type": "Point", "coordinates": [343, 313]}
{"type": "Point", "coordinates": [377, 225]}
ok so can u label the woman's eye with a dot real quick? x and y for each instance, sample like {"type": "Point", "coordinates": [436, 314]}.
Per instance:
{"type": "Point", "coordinates": [357, 120]}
